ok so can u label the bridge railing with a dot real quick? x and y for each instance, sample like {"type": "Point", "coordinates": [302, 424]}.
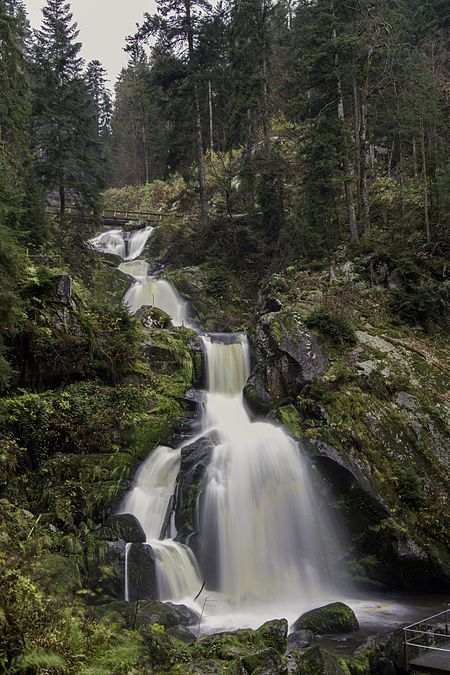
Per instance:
{"type": "Point", "coordinates": [116, 214]}
{"type": "Point", "coordinates": [428, 635]}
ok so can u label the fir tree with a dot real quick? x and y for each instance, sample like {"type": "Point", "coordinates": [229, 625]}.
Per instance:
{"type": "Point", "coordinates": [64, 123]}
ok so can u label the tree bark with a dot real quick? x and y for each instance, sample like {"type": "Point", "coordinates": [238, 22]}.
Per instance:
{"type": "Point", "coordinates": [197, 116]}
{"type": "Point", "coordinates": [347, 166]}
{"type": "Point", "coordinates": [426, 211]}
{"type": "Point", "coordinates": [211, 126]}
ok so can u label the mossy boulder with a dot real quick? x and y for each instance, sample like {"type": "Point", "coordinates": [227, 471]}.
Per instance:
{"type": "Point", "coordinates": [141, 567]}
{"type": "Point", "coordinates": [286, 356]}
{"type": "Point", "coordinates": [137, 614]}
{"type": "Point", "coordinates": [125, 526]}
{"type": "Point", "coordinates": [238, 644]}
{"type": "Point", "coordinates": [264, 662]}
{"type": "Point", "coordinates": [316, 661]}
{"type": "Point", "coordinates": [335, 617]}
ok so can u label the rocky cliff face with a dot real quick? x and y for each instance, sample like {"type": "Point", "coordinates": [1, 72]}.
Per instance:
{"type": "Point", "coordinates": [367, 398]}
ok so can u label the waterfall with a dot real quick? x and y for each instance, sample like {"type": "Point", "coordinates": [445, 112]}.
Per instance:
{"type": "Point", "coordinates": [261, 526]}
{"type": "Point", "coordinates": [151, 292]}
{"type": "Point", "coordinates": [127, 245]}
{"type": "Point", "coordinates": [149, 499]}
{"type": "Point", "coordinates": [258, 506]}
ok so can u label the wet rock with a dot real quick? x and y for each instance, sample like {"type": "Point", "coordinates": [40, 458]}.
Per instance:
{"type": "Point", "coordinates": [142, 581]}
{"type": "Point", "coordinates": [300, 639]}
{"type": "Point", "coordinates": [136, 615]}
{"type": "Point", "coordinates": [286, 357]}
{"type": "Point", "coordinates": [315, 661]}
{"type": "Point", "coordinates": [110, 567]}
{"type": "Point", "coordinates": [194, 461]}
{"type": "Point", "coordinates": [188, 616]}
{"type": "Point", "coordinates": [274, 634]}
{"type": "Point", "coordinates": [273, 305]}
{"type": "Point", "coordinates": [181, 633]}
{"type": "Point", "coordinates": [335, 617]}
{"type": "Point", "coordinates": [127, 527]}
{"type": "Point", "coordinates": [153, 317]}
{"type": "Point", "coordinates": [264, 662]}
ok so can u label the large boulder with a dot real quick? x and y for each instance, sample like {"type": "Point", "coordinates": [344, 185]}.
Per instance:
{"type": "Point", "coordinates": [286, 356]}
{"type": "Point", "coordinates": [264, 662]}
{"type": "Point", "coordinates": [194, 461]}
{"type": "Point", "coordinates": [315, 661]}
{"type": "Point", "coordinates": [134, 615]}
{"type": "Point", "coordinates": [141, 567]}
{"type": "Point", "coordinates": [125, 526]}
{"type": "Point", "coordinates": [300, 639]}
{"type": "Point", "coordinates": [335, 617]}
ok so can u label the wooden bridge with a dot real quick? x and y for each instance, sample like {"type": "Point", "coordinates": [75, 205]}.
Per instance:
{"type": "Point", "coordinates": [427, 645]}
{"type": "Point", "coordinates": [117, 217]}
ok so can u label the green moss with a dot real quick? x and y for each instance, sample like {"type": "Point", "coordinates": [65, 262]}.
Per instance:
{"type": "Point", "coordinates": [333, 618]}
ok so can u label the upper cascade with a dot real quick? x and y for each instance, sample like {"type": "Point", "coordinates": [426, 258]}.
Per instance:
{"type": "Point", "coordinates": [227, 362]}
{"type": "Point", "coordinates": [127, 245]}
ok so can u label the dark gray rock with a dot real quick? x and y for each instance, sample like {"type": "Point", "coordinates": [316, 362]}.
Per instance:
{"type": "Point", "coordinates": [194, 461]}
{"type": "Point", "coordinates": [300, 639]}
{"type": "Point", "coordinates": [263, 662]}
{"type": "Point", "coordinates": [286, 356]}
{"type": "Point", "coordinates": [181, 633]}
{"type": "Point", "coordinates": [125, 526]}
{"type": "Point", "coordinates": [315, 661]}
{"type": "Point", "coordinates": [142, 581]}
{"type": "Point", "coordinates": [110, 568]}
{"type": "Point", "coordinates": [274, 634]}
{"type": "Point", "coordinates": [273, 305]}
{"type": "Point", "coordinates": [188, 617]}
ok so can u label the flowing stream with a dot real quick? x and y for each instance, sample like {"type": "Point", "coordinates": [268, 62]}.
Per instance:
{"type": "Point", "coordinates": [262, 540]}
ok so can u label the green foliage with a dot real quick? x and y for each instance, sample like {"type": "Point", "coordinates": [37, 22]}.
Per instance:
{"type": "Point", "coordinates": [336, 327]}
{"type": "Point", "coordinates": [425, 302]}
{"type": "Point", "coordinates": [410, 487]}
{"type": "Point", "coordinates": [218, 281]}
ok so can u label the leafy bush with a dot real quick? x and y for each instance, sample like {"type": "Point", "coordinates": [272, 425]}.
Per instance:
{"type": "Point", "coordinates": [218, 282]}
{"type": "Point", "coordinates": [410, 487]}
{"type": "Point", "coordinates": [337, 328]}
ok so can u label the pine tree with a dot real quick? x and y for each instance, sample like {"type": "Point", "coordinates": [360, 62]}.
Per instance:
{"type": "Point", "coordinates": [177, 25]}
{"type": "Point", "coordinates": [64, 123]}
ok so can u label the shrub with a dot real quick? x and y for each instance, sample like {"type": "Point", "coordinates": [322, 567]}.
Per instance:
{"type": "Point", "coordinates": [337, 328]}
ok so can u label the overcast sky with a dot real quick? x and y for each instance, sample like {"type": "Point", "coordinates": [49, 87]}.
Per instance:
{"type": "Point", "coordinates": [103, 26]}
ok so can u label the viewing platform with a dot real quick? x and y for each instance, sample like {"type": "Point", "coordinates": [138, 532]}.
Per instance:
{"type": "Point", "coordinates": [427, 645]}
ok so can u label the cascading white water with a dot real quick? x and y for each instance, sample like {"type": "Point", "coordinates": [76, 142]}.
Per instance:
{"type": "Point", "coordinates": [127, 245]}
{"type": "Point", "coordinates": [151, 292]}
{"type": "Point", "coordinates": [258, 507]}
{"type": "Point", "coordinates": [176, 568]}
{"type": "Point", "coordinates": [259, 527]}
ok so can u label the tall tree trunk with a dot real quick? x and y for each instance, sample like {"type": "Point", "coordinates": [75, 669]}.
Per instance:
{"type": "Point", "coordinates": [265, 90]}
{"type": "Point", "coordinates": [347, 166]}
{"type": "Point", "coordinates": [364, 186]}
{"type": "Point", "coordinates": [197, 116]}
{"type": "Point", "coordinates": [211, 126]}
{"type": "Point", "coordinates": [426, 211]}
{"type": "Point", "coordinates": [357, 125]}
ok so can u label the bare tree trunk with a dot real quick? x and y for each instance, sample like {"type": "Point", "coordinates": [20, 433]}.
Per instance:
{"type": "Point", "coordinates": [426, 211]}
{"type": "Point", "coordinates": [211, 127]}
{"type": "Point", "coordinates": [357, 124]}
{"type": "Point", "coordinates": [347, 166]}
{"type": "Point", "coordinates": [364, 186]}
{"type": "Point", "coordinates": [265, 96]}
{"type": "Point", "coordinates": [416, 168]}
{"type": "Point", "coordinates": [198, 119]}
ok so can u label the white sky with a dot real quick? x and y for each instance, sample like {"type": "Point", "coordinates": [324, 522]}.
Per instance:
{"type": "Point", "coordinates": [103, 26]}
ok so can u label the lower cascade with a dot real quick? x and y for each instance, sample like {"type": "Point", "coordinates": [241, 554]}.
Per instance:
{"type": "Point", "coordinates": [263, 539]}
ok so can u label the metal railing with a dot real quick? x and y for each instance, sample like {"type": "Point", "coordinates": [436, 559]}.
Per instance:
{"type": "Point", "coordinates": [427, 636]}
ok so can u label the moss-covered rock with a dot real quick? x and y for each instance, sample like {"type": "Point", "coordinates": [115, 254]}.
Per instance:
{"type": "Point", "coordinates": [286, 357]}
{"type": "Point", "coordinates": [335, 617]}
{"type": "Point", "coordinates": [316, 661]}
